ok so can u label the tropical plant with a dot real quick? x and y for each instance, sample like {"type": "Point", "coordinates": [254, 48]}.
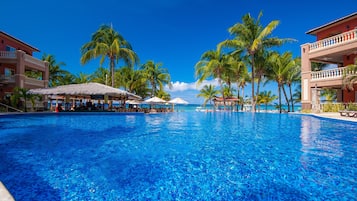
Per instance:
{"type": "Point", "coordinates": [82, 78]}
{"type": "Point", "coordinates": [157, 76]}
{"type": "Point", "coordinates": [213, 64]}
{"type": "Point", "coordinates": [266, 97]}
{"type": "Point", "coordinates": [293, 76]}
{"type": "Point", "coordinates": [19, 95]}
{"type": "Point", "coordinates": [100, 76]}
{"type": "Point", "coordinates": [329, 94]}
{"type": "Point", "coordinates": [280, 65]}
{"type": "Point", "coordinates": [56, 74]}
{"type": "Point", "coordinates": [252, 36]}
{"type": "Point", "coordinates": [107, 43]}
{"type": "Point", "coordinates": [208, 92]}
{"type": "Point", "coordinates": [350, 76]}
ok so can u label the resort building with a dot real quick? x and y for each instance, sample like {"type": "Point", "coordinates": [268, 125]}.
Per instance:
{"type": "Point", "coordinates": [18, 68]}
{"type": "Point", "coordinates": [336, 45]}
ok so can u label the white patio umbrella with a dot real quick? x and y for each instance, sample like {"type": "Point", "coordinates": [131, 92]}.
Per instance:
{"type": "Point", "coordinates": [177, 101]}
{"type": "Point", "coordinates": [154, 100]}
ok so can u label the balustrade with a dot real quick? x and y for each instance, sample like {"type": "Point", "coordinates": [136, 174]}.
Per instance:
{"type": "Point", "coordinates": [334, 40]}
{"type": "Point", "coordinates": [330, 74]}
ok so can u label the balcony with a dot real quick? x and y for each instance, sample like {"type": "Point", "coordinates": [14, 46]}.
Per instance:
{"type": "Point", "coordinates": [29, 61]}
{"type": "Point", "coordinates": [34, 83]}
{"type": "Point", "coordinates": [340, 39]}
{"type": "Point", "coordinates": [7, 79]}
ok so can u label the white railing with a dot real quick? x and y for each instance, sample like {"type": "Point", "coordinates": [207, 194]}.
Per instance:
{"type": "Point", "coordinates": [334, 40]}
{"type": "Point", "coordinates": [328, 74]}
{"type": "Point", "coordinates": [35, 61]}
{"type": "Point", "coordinates": [7, 54]}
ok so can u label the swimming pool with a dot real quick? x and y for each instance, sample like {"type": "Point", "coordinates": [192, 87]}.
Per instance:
{"type": "Point", "coordinates": [178, 156]}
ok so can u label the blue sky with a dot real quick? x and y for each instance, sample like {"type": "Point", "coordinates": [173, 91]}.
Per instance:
{"type": "Point", "coordinates": [174, 32]}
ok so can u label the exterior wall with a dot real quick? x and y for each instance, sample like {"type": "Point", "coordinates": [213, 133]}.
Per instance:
{"type": "Point", "coordinates": [19, 61]}
{"type": "Point", "coordinates": [337, 29]}
{"type": "Point", "coordinates": [7, 41]}
{"type": "Point", "coordinates": [339, 49]}
{"type": "Point", "coordinates": [305, 77]}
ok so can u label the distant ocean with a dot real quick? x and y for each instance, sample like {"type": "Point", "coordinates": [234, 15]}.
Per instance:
{"type": "Point", "coordinates": [193, 107]}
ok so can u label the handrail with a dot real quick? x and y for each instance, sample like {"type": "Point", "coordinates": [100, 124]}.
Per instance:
{"type": "Point", "coordinates": [7, 108]}
{"type": "Point", "coordinates": [331, 73]}
{"type": "Point", "coordinates": [334, 40]}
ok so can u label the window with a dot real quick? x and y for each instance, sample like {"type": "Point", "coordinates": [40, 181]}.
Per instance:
{"type": "Point", "coordinates": [9, 72]}
{"type": "Point", "coordinates": [10, 49]}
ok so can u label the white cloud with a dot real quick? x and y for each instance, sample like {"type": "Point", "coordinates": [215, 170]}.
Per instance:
{"type": "Point", "coordinates": [183, 86]}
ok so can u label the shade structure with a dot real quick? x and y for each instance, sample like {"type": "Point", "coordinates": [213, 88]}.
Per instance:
{"type": "Point", "coordinates": [154, 100]}
{"type": "Point", "coordinates": [178, 101]}
{"type": "Point", "coordinates": [86, 89]}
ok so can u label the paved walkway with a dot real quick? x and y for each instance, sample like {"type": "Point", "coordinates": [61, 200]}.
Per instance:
{"type": "Point", "coordinates": [335, 115]}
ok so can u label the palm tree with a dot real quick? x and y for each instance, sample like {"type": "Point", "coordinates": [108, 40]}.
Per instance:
{"type": "Point", "coordinates": [280, 65]}
{"type": "Point", "coordinates": [350, 76]}
{"type": "Point", "coordinates": [133, 81]}
{"type": "Point", "coordinates": [56, 74]}
{"type": "Point", "coordinates": [293, 76]}
{"type": "Point", "coordinates": [252, 36]}
{"type": "Point", "coordinates": [213, 64]}
{"type": "Point", "coordinates": [100, 76]}
{"type": "Point", "coordinates": [107, 43]}
{"type": "Point", "coordinates": [208, 92]}
{"type": "Point", "coordinates": [157, 76]}
{"type": "Point", "coordinates": [82, 78]}
{"type": "Point", "coordinates": [265, 98]}
{"type": "Point", "coordinates": [22, 94]}
{"type": "Point", "coordinates": [329, 94]}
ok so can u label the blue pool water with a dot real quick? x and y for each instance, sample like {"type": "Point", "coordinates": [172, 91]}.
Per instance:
{"type": "Point", "coordinates": [178, 156]}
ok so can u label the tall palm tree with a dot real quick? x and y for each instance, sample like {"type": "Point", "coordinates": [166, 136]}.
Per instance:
{"type": "Point", "coordinates": [107, 43]}
{"type": "Point", "coordinates": [208, 92]}
{"type": "Point", "coordinates": [293, 76]}
{"type": "Point", "coordinates": [213, 64]}
{"type": "Point", "coordinates": [157, 76]}
{"type": "Point", "coordinates": [280, 65]}
{"type": "Point", "coordinates": [252, 36]}
{"type": "Point", "coordinates": [56, 74]}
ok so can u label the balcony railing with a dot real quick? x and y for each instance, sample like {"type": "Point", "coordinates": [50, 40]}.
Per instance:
{"type": "Point", "coordinates": [33, 60]}
{"type": "Point", "coordinates": [334, 40]}
{"type": "Point", "coordinates": [7, 79]}
{"type": "Point", "coordinates": [34, 82]}
{"type": "Point", "coordinates": [7, 54]}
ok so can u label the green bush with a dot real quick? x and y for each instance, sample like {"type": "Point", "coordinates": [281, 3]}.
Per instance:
{"type": "Point", "coordinates": [332, 107]}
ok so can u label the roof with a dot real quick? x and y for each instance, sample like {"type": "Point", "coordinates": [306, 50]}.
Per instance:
{"type": "Point", "coordinates": [20, 41]}
{"type": "Point", "coordinates": [340, 20]}
{"type": "Point", "coordinates": [85, 89]}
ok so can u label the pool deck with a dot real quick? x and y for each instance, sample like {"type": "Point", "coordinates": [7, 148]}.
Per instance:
{"type": "Point", "coordinates": [4, 193]}
{"type": "Point", "coordinates": [335, 115]}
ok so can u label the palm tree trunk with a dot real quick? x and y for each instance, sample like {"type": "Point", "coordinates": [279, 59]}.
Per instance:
{"type": "Point", "coordinates": [112, 65]}
{"type": "Point", "coordinates": [291, 98]}
{"type": "Point", "coordinates": [222, 91]}
{"type": "Point", "coordinates": [253, 98]}
{"type": "Point", "coordinates": [279, 94]}
{"type": "Point", "coordinates": [286, 98]}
